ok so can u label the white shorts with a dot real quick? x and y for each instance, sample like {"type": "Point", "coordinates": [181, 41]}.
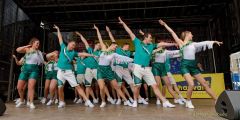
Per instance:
{"type": "Point", "coordinates": [80, 78]}
{"type": "Point", "coordinates": [171, 79]}
{"type": "Point", "coordinates": [124, 73]}
{"type": "Point", "coordinates": [67, 75]}
{"type": "Point", "coordinates": [143, 73]}
{"type": "Point", "coordinates": [89, 75]}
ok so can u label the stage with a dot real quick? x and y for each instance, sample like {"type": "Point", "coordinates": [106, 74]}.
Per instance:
{"type": "Point", "coordinates": [204, 110]}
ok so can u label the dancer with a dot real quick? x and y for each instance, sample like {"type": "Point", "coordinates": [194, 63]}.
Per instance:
{"type": "Point", "coordinates": [51, 78]}
{"type": "Point", "coordinates": [30, 71]}
{"type": "Point", "coordinates": [65, 72]}
{"type": "Point", "coordinates": [105, 70]}
{"type": "Point", "coordinates": [143, 51]}
{"type": "Point", "coordinates": [189, 68]}
{"type": "Point", "coordinates": [91, 69]}
{"type": "Point", "coordinates": [121, 70]}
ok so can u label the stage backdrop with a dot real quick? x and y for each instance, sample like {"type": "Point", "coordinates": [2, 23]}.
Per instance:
{"type": "Point", "coordinates": [215, 81]}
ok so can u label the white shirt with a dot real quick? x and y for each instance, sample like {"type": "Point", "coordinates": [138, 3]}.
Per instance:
{"type": "Point", "coordinates": [161, 57]}
{"type": "Point", "coordinates": [106, 60]}
{"type": "Point", "coordinates": [190, 50]}
{"type": "Point", "coordinates": [34, 58]}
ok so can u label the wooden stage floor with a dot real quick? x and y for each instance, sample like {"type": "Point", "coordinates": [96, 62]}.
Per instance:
{"type": "Point", "coordinates": [204, 111]}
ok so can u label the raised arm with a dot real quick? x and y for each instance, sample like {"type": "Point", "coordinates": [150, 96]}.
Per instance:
{"type": "Point", "coordinates": [165, 44]}
{"type": "Point", "coordinates": [60, 38]}
{"type": "Point", "coordinates": [129, 31]}
{"type": "Point", "coordinates": [83, 39]}
{"type": "Point", "coordinates": [110, 34]}
{"type": "Point", "coordinates": [23, 49]}
{"type": "Point", "coordinates": [174, 35]}
{"type": "Point", "coordinates": [141, 32]}
{"type": "Point", "coordinates": [103, 46]}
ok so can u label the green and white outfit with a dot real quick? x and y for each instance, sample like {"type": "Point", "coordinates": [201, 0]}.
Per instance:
{"type": "Point", "coordinates": [188, 51]}
{"type": "Point", "coordinates": [159, 65]}
{"type": "Point", "coordinates": [81, 68]}
{"type": "Point", "coordinates": [142, 69]}
{"type": "Point", "coordinates": [65, 72]}
{"type": "Point", "coordinates": [121, 70]}
{"type": "Point", "coordinates": [91, 66]}
{"type": "Point", "coordinates": [104, 70]}
{"type": "Point", "coordinates": [30, 69]}
{"type": "Point", "coordinates": [51, 70]}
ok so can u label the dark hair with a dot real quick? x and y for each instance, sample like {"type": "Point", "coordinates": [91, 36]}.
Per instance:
{"type": "Point", "coordinates": [146, 35]}
{"type": "Point", "coordinates": [126, 44]}
{"type": "Point", "coordinates": [33, 40]}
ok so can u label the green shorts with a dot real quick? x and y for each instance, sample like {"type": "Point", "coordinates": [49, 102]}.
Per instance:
{"type": "Point", "coordinates": [119, 80]}
{"type": "Point", "coordinates": [159, 69]}
{"type": "Point", "coordinates": [29, 71]}
{"type": "Point", "coordinates": [50, 75]}
{"type": "Point", "coordinates": [189, 66]}
{"type": "Point", "coordinates": [105, 72]}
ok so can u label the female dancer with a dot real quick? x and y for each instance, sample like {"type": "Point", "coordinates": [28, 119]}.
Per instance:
{"type": "Point", "coordinates": [91, 69]}
{"type": "Point", "coordinates": [105, 70]}
{"type": "Point", "coordinates": [189, 68]}
{"type": "Point", "coordinates": [51, 75]}
{"type": "Point", "coordinates": [30, 70]}
{"type": "Point", "coordinates": [65, 72]}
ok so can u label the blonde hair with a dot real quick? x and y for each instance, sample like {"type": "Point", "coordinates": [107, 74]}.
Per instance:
{"type": "Point", "coordinates": [33, 40]}
{"type": "Point", "coordinates": [184, 34]}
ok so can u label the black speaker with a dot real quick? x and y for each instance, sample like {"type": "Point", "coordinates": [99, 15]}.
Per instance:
{"type": "Point", "coordinates": [2, 107]}
{"type": "Point", "coordinates": [228, 105]}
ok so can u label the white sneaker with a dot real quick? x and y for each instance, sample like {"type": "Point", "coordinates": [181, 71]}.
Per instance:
{"type": "Point", "coordinates": [135, 104]}
{"type": "Point", "coordinates": [103, 104]}
{"type": "Point", "coordinates": [49, 102]}
{"type": "Point", "coordinates": [167, 104]}
{"type": "Point", "coordinates": [89, 104]}
{"type": "Point", "coordinates": [17, 100]}
{"type": "Point", "coordinates": [189, 104]}
{"type": "Point", "coordinates": [43, 101]}
{"type": "Point", "coordinates": [118, 102]}
{"type": "Point", "coordinates": [131, 100]}
{"type": "Point", "coordinates": [144, 102]}
{"type": "Point", "coordinates": [147, 99]}
{"type": "Point", "coordinates": [95, 101]}
{"type": "Point", "coordinates": [28, 104]}
{"type": "Point", "coordinates": [158, 102]}
{"type": "Point", "coordinates": [140, 101]}
{"type": "Point", "coordinates": [56, 101]}
{"type": "Point", "coordinates": [19, 104]}
{"type": "Point", "coordinates": [75, 100]}
{"type": "Point", "coordinates": [128, 103]}
{"type": "Point", "coordinates": [110, 100]}
{"type": "Point", "coordinates": [178, 101]}
{"type": "Point", "coordinates": [184, 100]}
{"type": "Point", "coordinates": [32, 106]}
{"type": "Point", "coordinates": [79, 101]}
{"type": "Point", "coordinates": [115, 100]}
{"type": "Point", "coordinates": [61, 104]}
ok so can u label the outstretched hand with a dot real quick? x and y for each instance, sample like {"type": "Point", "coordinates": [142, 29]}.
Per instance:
{"type": "Point", "coordinates": [14, 56]}
{"type": "Point", "coordinates": [107, 29]}
{"type": "Point", "coordinates": [78, 33]}
{"type": "Point", "coordinates": [55, 27]}
{"type": "Point", "coordinates": [95, 27]}
{"type": "Point", "coordinates": [218, 43]}
{"type": "Point", "coordinates": [120, 20]}
{"type": "Point", "coordinates": [141, 32]}
{"type": "Point", "coordinates": [162, 22]}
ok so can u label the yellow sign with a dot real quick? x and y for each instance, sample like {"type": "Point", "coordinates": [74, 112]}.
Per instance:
{"type": "Point", "coordinates": [215, 81]}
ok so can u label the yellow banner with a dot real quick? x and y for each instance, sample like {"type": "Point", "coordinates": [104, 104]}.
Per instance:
{"type": "Point", "coordinates": [215, 81]}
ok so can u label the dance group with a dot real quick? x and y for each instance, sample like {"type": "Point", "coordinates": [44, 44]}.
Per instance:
{"type": "Point", "coordinates": [110, 67]}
